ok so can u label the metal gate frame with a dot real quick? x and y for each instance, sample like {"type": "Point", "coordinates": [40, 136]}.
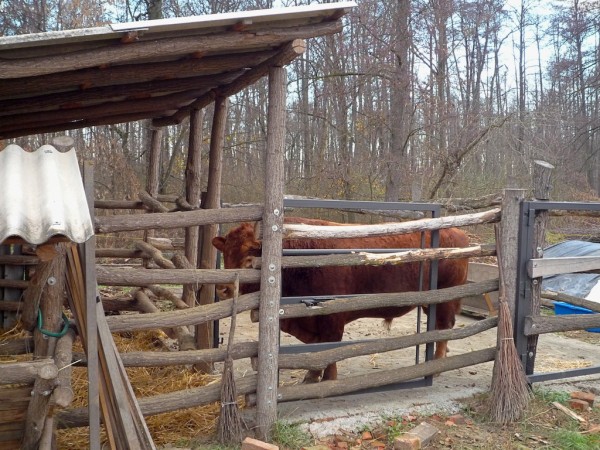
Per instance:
{"type": "Point", "coordinates": [435, 210]}
{"type": "Point", "coordinates": [523, 306]}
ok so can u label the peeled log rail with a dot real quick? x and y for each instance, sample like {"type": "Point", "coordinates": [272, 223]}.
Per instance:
{"type": "Point", "coordinates": [142, 277]}
{"type": "Point", "coordinates": [181, 317]}
{"type": "Point", "coordinates": [568, 322]}
{"type": "Point", "coordinates": [366, 258]}
{"type": "Point", "coordinates": [370, 301]}
{"type": "Point", "coordinates": [161, 359]}
{"type": "Point", "coordinates": [383, 378]}
{"type": "Point", "coordinates": [291, 231]}
{"type": "Point", "coordinates": [318, 360]}
{"type": "Point", "coordinates": [182, 219]}
{"type": "Point", "coordinates": [23, 372]}
{"type": "Point", "coordinates": [162, 403]}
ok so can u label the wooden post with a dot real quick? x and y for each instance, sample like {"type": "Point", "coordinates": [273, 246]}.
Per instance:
{"type": "Point", "coordinates": [153, 175]}
{"type": "Point", "coordinates": [91, 328]}
{"type": "Point", "coordinates": [212, 200]}
{"type": "Point", "coordinates": [509, 226]}
{"type": "Point", "coordinates": [542, 173]}
{"type": "Point", "coordinates": [51, 305]}
{"type": "Point", "coordinates": [39, 406]}
{"type": "Point", "coordinates": [193, 192]}
{"type": "Point", "coordinates": [270, 280]}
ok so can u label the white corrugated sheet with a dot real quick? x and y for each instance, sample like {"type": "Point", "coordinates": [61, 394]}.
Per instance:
{"type": "Point", "coordinates": [42, 195]}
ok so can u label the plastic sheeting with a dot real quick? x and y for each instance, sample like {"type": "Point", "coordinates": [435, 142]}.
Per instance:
{"type": "Point", "coordinates": [582, 285]}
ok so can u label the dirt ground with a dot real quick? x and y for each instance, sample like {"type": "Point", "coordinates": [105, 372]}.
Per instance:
{"type": "Point", "coordinates": [330, 419]}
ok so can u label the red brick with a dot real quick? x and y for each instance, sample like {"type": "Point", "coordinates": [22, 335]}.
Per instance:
{"type": "Point", "coordinates": [407, 442]}
{"type": "Point", "coordinates": [458, 419]}
{"type": "Point", "coordinates": [579, 405]}
{"type": "Point", "coordinates": [585, 396]}
{"type": "Point", "coordinates": [255, 444]}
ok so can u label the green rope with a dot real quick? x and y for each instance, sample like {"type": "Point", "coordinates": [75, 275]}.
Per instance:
{"type": "Point", "coordinates": [51, 333]}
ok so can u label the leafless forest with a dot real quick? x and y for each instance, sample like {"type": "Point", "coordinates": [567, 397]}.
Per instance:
{"type": "Point", "coordinates": [416, 99]}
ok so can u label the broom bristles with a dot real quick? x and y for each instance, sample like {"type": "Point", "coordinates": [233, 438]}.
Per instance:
{"type": "Point", "coordinates": [230, 430]}
{"type": "Point", "coordinates": [509, 393]}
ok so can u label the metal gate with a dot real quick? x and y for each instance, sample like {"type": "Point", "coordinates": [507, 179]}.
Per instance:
{"type": "Point", "coordinates": [434, 210]}
{"type": "Point", "coordinates": [524, 305]}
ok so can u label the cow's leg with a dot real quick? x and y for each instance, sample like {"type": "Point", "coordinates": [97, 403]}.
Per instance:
{"type": "Point", "coordinates": [313, 376]}
{"type": "Point", "coordinates": [445, 318]}
{"type": "Point", "coordinates": [331, 329]}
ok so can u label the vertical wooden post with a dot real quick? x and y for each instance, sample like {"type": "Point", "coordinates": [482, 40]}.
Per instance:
{"type": "Point", "coordinates": [51, 304]}
{"type": "Point", "coordinates": [509, 226]}
{"type": "Point", "coordinates": [270, 280]}
{"type": "Point", "coordinates": [193, 192]}
{"type": "Point", "coordinates": [212, 200]}
{"type": "Point", "coordinates": [153, 175]}
{"type": "Point", "coordinates": [89, 250]}
{"type": "Point", "coordinates": [542, 173]}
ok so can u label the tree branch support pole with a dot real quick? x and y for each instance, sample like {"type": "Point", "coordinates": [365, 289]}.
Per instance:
{"type": "Point", "coordinates": [542, 173]}
{"type": "Point", "coordinates": [152, 181]}
{"type": "Point", "coordinates": [270, 280]}
{"type": "Point", "coordinates": [509, 232]}
{"type": "Point", "coordinates": [212, 200]}
{"type": "Point", "coordinates": [193, 193]}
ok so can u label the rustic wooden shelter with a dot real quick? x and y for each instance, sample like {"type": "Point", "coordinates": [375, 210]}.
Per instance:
{"type": "Point", "coordinates": [166, 71]}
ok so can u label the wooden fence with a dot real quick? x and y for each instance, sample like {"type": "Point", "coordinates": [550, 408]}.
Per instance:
{"type": "Point", "coordinates": [173, 269]}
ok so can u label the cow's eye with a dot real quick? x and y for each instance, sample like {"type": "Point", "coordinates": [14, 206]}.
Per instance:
{"type": "Point", "coordinates": [247, 263]}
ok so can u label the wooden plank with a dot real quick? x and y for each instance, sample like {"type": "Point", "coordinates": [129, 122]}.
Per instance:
{"type": "Point", "coordinates": [544, 267]}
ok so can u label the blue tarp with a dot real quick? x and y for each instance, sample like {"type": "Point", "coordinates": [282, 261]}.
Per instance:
{"type": "Point", "coordinates": [575, 284]}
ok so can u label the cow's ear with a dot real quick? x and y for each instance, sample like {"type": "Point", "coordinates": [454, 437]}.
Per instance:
{"type": "Point", "coordinates": [219, 242]}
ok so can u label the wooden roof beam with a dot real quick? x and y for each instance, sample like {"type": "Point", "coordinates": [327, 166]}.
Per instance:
{"type": "Point", "coordinates": [122, 54]}
{"type": "Point", "coordinates": [149, 107]}
{"type": "Point", "coordinates": [287, 54]}
{"type": "Point", "coordinates": [131, 73]}
{"type": "Point", "coordinates": [84, 123]}
{"type": "Point", "coordinates": [81, 98]}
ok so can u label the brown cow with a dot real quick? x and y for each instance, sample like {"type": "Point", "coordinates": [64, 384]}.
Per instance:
{"type": "Point", "coordinates": [240, 245]}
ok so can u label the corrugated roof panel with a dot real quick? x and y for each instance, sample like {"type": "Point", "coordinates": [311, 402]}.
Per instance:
{"type": "Point", "coordinates": [42, 195]}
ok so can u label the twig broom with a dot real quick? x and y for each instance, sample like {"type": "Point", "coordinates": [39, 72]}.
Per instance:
{"type": "Point", "coordinates": [509, 393]}
{"type": "Point", "coordinates": [230, 422]}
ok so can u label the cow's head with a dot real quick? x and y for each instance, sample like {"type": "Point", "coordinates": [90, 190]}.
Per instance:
{"type": "Point", "coordinates": [238, 246]}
